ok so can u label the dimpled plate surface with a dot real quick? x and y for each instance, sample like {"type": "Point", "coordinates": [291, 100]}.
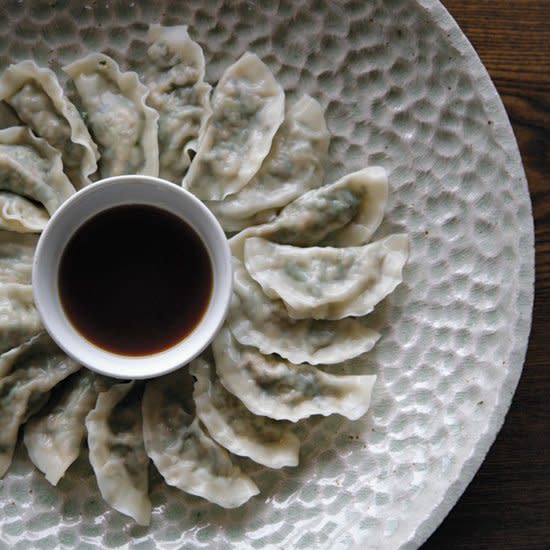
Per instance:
{"type": "Point", "coordinates": [402, 88]}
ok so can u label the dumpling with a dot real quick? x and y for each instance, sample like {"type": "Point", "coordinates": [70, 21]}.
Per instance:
{"type": "Point", "coordinates": [9, 358]}
{"type": "Point", "coordinates": [247, 109]}
{"type": "Point", "coordinates": [20, 214]}
{"type": "Point", "coordinates": [54, 437]}
{"type": "Point", "coordinates": [344, 213]}
{"type": "Point", "coordinates": [19, 319]}
{"type": "Point", "coordinates": [327, 282]}
{"type": "Point", "coordinates": [256, 320]}
{"type": "Point", "coordinates": [117, 453]}
{"type": "Point", "coordinates": [294, 165]}
{"type": "Point", "coordinates": [14, 356]}
{"type": "Point", "coordinates": [16, 256]}
{"type": "Point", "coordinates": [35, 369]}
{"type": "Point", "coordinates": [31, 167]}
{"type": "Point", "coordinates": [181, 450]}
{"type": "Point", "coordinates": [123, 126]}
{"type": "Point", "coordinates": [370, 185]}
{"type": "Point", "coordinates": [38, 99]}
{"type": "Point", "coordinates": [234, 427]}
{"type": "Point", "coordinates": [175, 78]}
{"type": "Point", "coordinates": [270, 386]}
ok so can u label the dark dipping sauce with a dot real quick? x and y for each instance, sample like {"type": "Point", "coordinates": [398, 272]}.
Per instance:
{"type": "Point", "coordinates": [135, 280]}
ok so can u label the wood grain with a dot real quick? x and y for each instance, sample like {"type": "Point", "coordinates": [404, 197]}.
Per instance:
{"type": "Point", "coordinates": [507, 505]}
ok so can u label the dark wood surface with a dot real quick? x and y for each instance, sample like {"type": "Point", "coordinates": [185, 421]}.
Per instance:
{"type": "Point", "coordinates": [507, 505]}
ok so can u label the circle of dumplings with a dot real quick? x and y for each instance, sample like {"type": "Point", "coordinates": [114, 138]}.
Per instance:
{"type": "Point", "coordinates": [401, 88]}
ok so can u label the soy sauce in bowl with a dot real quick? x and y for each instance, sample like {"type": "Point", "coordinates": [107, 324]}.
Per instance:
{"type": "Point", "coordinates": [135, 279]}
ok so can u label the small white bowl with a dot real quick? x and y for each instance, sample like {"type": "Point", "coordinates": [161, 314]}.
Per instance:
{"type": "Point", "coordinates": [105, 194]}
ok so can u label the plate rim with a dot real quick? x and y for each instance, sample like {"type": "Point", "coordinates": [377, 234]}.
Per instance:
{"type": "Point", "coordinates": [504, 134]}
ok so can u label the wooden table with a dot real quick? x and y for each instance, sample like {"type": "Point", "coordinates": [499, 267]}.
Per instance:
{"type": "Point", "coordinates": [507, 505]}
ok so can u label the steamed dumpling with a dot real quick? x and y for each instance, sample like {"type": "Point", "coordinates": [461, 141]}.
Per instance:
{"type": "Point", "coordinates": [16, 257]}
{"type": "Point", "coordinates": [270, 386]}
{"type": "Point", "coordinates": [123, 126]}
{"type": "Point", "coordinates": [19, 319]}
{"type": "Point", "coordinates": [38, 99]}
{"type": "Point", "coordinates": [234, 427]}
{"type": "Point", "coordinates": [247, 109]}
{"type": "Point", "coordinates": [182, 451]}
{"type": "Point", "coordinates": [33, 371]}
{"type": "Point", "coordinates": [177, 90]}
{"type": "Point", "coordinates": [294, 165]}
{"type": "Point", "coordinates": [344, 213]}
{"type": "Point", "coordinates": [327, 282]}
{"type": "Point", "coordinates": [9, 358]}
{"type": "Point", "coordinates": [32, 168]}
{"type": "Point", "coordinates": [20, 214]}
{"type": "Point", "coordinates": [256, 320]}
{"type": "Point", "coordinates": [54, 437]}
{"type": "Point", "coordinates": [117, 453]}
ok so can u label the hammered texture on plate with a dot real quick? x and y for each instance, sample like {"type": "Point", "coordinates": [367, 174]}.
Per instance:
{"type": "Point", "coordinates": [401, 88]}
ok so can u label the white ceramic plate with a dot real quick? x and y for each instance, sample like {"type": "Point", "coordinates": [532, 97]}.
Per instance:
{"type": "Point", "coordinates": [402, 88]}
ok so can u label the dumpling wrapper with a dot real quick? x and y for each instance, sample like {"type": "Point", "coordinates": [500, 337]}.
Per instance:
{"type": "Point", "coordinates": [234, 427]}
{"type": "Point", "coordinates": [20, 215]}
{"type": "Point", "coordinates": [16, 257]}
{"type": "Point", "coordinates": [33, 371]}
{"type": "Point", "coordinates": [29, 166]}
{"type": "Point", "coordinates": [177, 90]}
{"type": "Point", "coordinates": [256, 320]}
{"type": "Point", "coordinates": [247, 109]}
{"type": "Point", "coordinates": [344, 213]}
{"type": "Point", "coordinates": [182, 451]}
{"type": "Point", "coordinates": [270, 386]}
{"type": "Point", "coordinates": [117, 453]}
{"type": "Point", "coordinates": [10, 358]}
{"type": "Point", "coordinates": [40, 102]}
{"type": "Point", "coordinates": [295, 164]}
{"type": "Point", "coordinates": [123, 126]}
{"type": "Point", "coordinates": [54, 437]}
{"type": "Point", "coordinates": [326, 282]}
{"type": "Point", "coordinates": [19, 318]}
